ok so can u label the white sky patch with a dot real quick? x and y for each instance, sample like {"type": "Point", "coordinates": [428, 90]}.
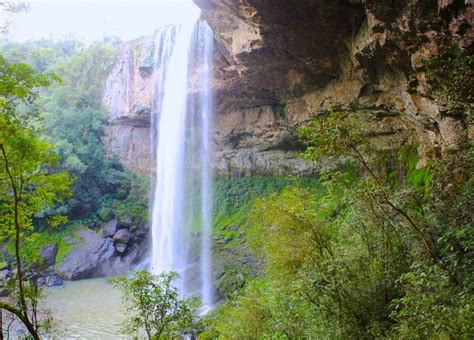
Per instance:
{"type": "Point", "coordinates": [91, 20]}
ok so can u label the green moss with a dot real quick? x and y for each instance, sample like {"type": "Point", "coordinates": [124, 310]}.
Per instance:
{"type": "Point", "coordinates": [419, 179]}
{"type": "Point", "coordinates": [233, 197]}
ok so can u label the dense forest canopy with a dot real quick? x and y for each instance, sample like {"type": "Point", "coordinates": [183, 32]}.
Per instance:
{"type": "Point", "coordinates": [71, 117]}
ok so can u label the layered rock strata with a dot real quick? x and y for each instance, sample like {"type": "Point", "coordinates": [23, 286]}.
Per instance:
{"type": "Point", "coordinates": [278, 63]}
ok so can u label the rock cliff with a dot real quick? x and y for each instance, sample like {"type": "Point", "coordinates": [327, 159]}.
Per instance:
{"type": "Point", "coordinates": [279, 62]}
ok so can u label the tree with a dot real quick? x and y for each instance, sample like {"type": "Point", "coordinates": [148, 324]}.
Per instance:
{"type": "Point", "coordinates": [154, 305]}
{"type": "Point", "coordinates": [28, 183]}
{"type": "Point", "coordinates": [74, 121]}
{"type": "Point", "coordinates": [19, 85]}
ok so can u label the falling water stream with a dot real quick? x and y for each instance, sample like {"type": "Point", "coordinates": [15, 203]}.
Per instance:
{"type": "Point", "coordinates": [206, 37]}
{"type": "Point", "coordinates": [181, 200]}
{"type": "Point", "coordinates": [182, 108]}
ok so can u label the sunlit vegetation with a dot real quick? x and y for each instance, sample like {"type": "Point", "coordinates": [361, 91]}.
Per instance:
{"type": "Point", "coordinates": [233, 197]}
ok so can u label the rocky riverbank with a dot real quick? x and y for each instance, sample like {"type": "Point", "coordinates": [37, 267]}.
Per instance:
{"type": "Point", "coordinates": [112, 248]}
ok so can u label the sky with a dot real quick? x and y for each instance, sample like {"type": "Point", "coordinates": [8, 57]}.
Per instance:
{"type": "Point", "coordinates": [91, 20]}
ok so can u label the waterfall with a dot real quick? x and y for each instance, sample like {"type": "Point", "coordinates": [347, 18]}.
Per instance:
{"type": "Point", "coordinates": [206, 40]}
{"type": "Point", "coordinates": [181, 124]}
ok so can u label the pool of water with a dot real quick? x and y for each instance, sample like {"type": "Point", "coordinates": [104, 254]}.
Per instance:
{"type": "Point", "coordinates": [87, 309]}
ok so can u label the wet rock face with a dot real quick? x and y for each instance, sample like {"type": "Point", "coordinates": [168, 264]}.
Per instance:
{"type": "Point", "coordinates": [88, 258]}
{"type": "Point", "coordinates": [127, 99]}
{"type": "Point", "coordinates": [109, 251]}
{"type": "Point", "coordinates": [248, 139]}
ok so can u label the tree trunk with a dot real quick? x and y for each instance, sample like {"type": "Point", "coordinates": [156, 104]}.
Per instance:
{"type": "Point", "coordinates": [16, 196]}
{"type": "Point", "coordinates": [20, 316]}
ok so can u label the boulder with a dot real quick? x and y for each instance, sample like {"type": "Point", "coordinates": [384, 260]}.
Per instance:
{"type": "Point", "coordinates": [125, 222]}
{"type": "Point", "coordinates": [109, 228]}
{"type": "Point", "coordinates": [54, 281]}
{"type": "Point", "coordinates": [89, 258]}
{"type": "Point", "coordinates": [122, 236]}
{"type": "Point", "coordinates": [123, 264]}
{"type": "Point", "coordinates": [48, 253]}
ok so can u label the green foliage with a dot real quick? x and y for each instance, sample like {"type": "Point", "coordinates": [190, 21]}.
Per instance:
{"type": "Point", "coordinates": [28, 180]}
{"type": "Point", "coordinates": [451, 213]}
{"type": "Point", "coordinates": [380, 250]}
{"type": "Point", "coordinates": [28, 165]}
{"type": "Point", "coordinates": [333, 135]}
{"type": "Point", "coordinates": [233, 200]}
{"type": "Point", "coordinates": [261, 311]}
{"type": "Point", "coordinates": [83, 75]}
{"type": "Point", "coordinates": [133, 203]}
{"type": "Point", "coordinates": [30, 161]}
{"type": "Point", "coordinates": [418, 178]}
{"type": "Point", "coordinates": [19, 85]}
{"type": "Point", "coordinates": [431, 307]}
{"type": "Point", "coordinates": [19, 82]}
{"type": "Point", "coordinates": [74, 121]}
{"type": "Point", "coordinates": [233, 197]}
{"type": "Point", "coordinates": [154, 305]}
{"type": "Point", "coordinates": [453, 74]}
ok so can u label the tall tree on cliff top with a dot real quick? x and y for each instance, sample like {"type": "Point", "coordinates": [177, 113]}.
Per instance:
{"type": "Point", "coordinates": [28, 183]}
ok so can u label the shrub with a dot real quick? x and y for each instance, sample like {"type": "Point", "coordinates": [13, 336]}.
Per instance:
{"type": "Point", "coordinates": [154, 305]}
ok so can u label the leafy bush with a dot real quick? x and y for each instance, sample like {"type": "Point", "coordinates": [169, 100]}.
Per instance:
{"type": "Point", "coordinates": [30, 252]}
{"type": "Point", "coordinates": [154, 305]}
{"type": "Point", "coordinates": [262, 311]}
{"type": "Point", "coordinates": [133, 206]}
{"type": "Point", "coordinates": [431, 307]}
